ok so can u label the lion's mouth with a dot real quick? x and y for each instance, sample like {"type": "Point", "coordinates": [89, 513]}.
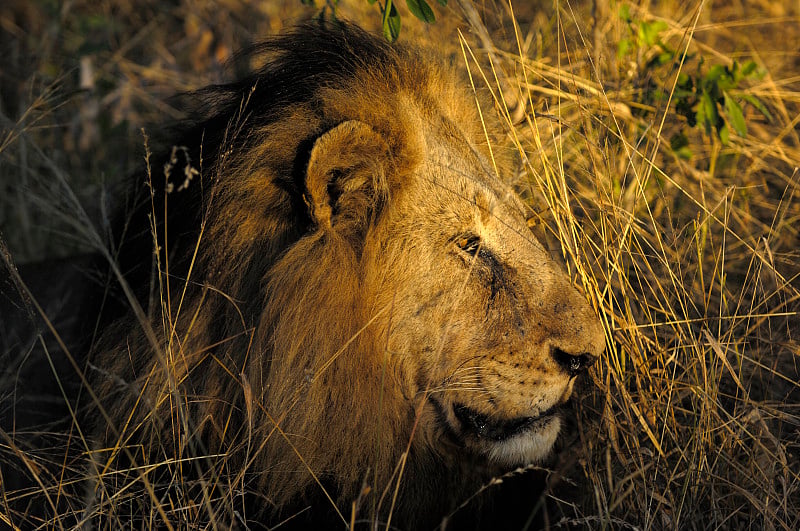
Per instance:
{"type": "Point", "coordinates": [483, 427]}
{"type": "Point", "coordinates": [507, 441]}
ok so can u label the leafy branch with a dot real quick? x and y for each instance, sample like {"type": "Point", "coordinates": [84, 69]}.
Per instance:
{"type": "Point", "coordinates": [711, 100]}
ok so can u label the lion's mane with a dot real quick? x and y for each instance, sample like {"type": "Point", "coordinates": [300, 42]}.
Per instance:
{"type": "Point", "coordinates": [241, 312]}
{"type": "Point", "coordinates": [330, 299]}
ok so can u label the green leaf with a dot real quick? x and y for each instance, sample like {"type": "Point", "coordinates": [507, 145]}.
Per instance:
{"type": "Point", "coordinates": [624, 48]}
{"type": "Point", "coordinates": [749, 68]}
{"type": "Point", "coordinates": [442, 3]}
{"type": "Point", "coordinates": [758, 104]}
{"type": "Point", "coordinates": [625, 12]}
{"type": "Point", "coordinates": [735, 75]}
{"type": "Point", "coordinates": [658, 95]}
{"type": "Point", "coordinates": [724, 135]}
{"type": "Point", "coordinates": [735, 116]}
{"type": "Point", "coordinates": [684, 153]}
{"type": "Point", "coordinates": [714, 73]}
{"type": "Point", "coordinates": [665, 57]}
{"type": "Point", "coordinates": [391, 22]}
{"type": "Point", "coordinates": [727, 80]}
{"type": "Point", "coordinates": [710, 114]}
{"type": "Point", "coordinates": [648, 32]}
{"type": "Point", "coordinates": [700, 115]}
{"type": "Point", "coordinates": [421, 10]}
{"type": "Point", "coordinates": [680, 146]}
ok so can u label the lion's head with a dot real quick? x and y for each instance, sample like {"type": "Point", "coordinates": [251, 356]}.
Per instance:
{"type": "Point", "coordinates": [350, 294]}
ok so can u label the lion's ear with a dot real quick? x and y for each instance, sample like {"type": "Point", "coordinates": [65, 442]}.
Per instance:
{"type": "Point", "coordinates": [346, 177]}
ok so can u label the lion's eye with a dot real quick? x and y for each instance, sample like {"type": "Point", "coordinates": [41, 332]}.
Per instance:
{"type": "Point", "coordinates": [469, 244]}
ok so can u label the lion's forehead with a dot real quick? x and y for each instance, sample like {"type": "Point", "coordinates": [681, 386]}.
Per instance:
{"type": "Point", "coordinates": [465, 204]}
{"type": "Point", "coordinates": [462, 176]}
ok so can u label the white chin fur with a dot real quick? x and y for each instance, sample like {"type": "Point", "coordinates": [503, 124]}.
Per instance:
{"type": "Point", "coordinates": [527, 447]}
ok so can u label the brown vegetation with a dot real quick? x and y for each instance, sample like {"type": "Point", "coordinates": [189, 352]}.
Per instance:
{"type": "Point", "coordinates": [691, 256]}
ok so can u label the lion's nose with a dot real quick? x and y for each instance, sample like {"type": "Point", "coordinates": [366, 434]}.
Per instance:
{"type": "Point", "coordinates": [573, 364]}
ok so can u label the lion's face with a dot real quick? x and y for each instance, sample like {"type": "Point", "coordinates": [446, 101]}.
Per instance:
{"type": "Point", "coordinates": [484, 326]}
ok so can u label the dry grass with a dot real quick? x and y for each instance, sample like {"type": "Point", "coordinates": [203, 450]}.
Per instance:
{"type": "Point", "coordinates": [693, 418]}
{"type": "Point", "coordinates": [694, 265]}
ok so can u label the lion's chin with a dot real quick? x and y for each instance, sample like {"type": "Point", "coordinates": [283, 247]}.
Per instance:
{"type": "Point", "coordinates": [507, 442]}
{"type": "Point", "coordinates": [526, 447]}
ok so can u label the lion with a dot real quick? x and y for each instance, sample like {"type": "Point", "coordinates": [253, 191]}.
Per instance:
{"type": "Point", "coordinates": [336, 305]}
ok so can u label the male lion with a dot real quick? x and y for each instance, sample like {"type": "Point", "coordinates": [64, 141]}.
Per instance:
{"type": "Point", "coordinates": [347, 310]}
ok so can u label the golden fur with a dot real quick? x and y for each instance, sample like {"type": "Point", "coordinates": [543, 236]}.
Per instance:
{"type": "Point", "coordinates": [349, 296]}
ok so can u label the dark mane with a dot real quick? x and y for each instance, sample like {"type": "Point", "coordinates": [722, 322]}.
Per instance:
{"type": "Point", "coordinates": [222, 201]}
{"type": "Point", "coordinates": [294, 67]}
